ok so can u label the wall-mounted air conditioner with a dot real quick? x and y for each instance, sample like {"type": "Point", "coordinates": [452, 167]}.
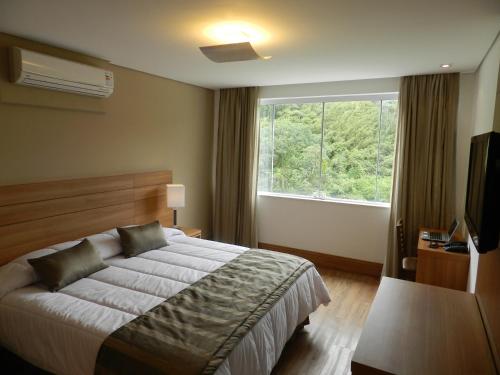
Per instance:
{"type": "Point", "coordinates": [35, 69]}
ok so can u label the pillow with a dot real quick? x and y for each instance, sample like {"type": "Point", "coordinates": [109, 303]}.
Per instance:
{"type": "Point", "coordinates": [107, 245]}
{"type": "Point", "coordinates": [14, 276]}
{"type": "Point", "coordinates": [141, 238]}
{"type": "Point", "coordinates": [170, 232]}
{"type": "Point", "coordinates": [67, 266]}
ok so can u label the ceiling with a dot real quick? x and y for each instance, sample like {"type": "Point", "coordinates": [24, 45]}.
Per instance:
{"type": "Point", "coordinates": [309, 41]}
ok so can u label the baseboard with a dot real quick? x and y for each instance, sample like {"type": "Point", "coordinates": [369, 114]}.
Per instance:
{"type": "Point", "coordinates": [329, 261]}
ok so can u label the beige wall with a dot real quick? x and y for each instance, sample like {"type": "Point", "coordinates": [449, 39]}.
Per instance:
{"type": "Point", "coordinates": [149, 123]}
{"type": "Point", "coordinates": [486, 91]}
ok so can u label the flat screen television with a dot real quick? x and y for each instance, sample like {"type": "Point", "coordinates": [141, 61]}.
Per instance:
{"type": "Point", "coordinates": [482, 206]}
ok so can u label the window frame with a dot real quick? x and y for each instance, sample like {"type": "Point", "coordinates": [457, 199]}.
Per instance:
{"type": "Point", "coordinates": [330, 98]}
{"type": "Point", "coordinates": [325, 200]}
{"type": "Point", "coordinates": [322, 99]}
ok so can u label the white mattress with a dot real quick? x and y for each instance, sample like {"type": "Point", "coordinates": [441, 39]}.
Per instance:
{"type": "Point", "coordinates": [62, 332]}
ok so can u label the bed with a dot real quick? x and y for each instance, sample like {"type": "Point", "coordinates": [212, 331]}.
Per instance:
{"type": "Point", "coordinates": [63, 332]}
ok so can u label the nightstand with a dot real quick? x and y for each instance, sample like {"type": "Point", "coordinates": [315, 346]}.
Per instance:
{"type": "Point", "coordinates": [191, 232]}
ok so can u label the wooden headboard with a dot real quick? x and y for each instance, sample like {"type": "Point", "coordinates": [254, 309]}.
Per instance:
{"type": "Point", "coordinates": [36, 215]}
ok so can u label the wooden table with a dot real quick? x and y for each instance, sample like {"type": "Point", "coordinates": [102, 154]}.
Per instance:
{"type": "Point", "coordinates": [419, 329]}
{"type": "Point", "coordinates": [435, 266]}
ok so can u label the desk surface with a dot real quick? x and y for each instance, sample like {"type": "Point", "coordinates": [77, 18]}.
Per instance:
{"type": "Point", "coordinates": [414, 328]}
{"type": "Point", "coordinates": [423, 245]}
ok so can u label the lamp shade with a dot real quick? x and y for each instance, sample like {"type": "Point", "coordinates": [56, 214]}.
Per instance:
{"type": "Point", "coordinates": [175, 195]}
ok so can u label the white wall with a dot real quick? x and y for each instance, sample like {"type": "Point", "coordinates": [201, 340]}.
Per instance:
{"type": "Point", "coordinates": [464, 133]}
{"type": "Point", "coordinates": [365, 86]}
{"type": "Point", "coordinates": [486, 90]}
{"type": "Point", "coordinates": [343, 229]}
{"type": "Point", "coordinates": [353, 231]}
{"type": "Point", "coordinates": [485, 97]}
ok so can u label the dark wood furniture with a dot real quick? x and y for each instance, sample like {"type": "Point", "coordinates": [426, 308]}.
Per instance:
{"type": "Point", "coordinates": [439, 267]}
{"type": "Point", "coordinates": [415, 328]}
{"type": "Point", "coordinates": [407, 264]}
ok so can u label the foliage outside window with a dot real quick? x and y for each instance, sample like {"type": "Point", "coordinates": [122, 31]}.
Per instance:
{"type": "Point", "coordinates": [328, 149]}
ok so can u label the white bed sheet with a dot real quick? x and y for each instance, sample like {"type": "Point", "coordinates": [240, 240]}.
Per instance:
{"type": "Point", "coordinates": [62, 332]}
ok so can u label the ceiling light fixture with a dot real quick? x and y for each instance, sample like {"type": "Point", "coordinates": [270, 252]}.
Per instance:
{"type": "Point", "coordinates": [445, 66]}
{"type": "Point", "coordinates": [235, 32]}
{"type": "Point", "coordinates": [234, 42]}
{"type": "Point", "coordinates": [230, 52]}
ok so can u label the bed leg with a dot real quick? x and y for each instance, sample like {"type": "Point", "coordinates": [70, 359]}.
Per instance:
{"type": "Point", "coordinates": [303, 324]}
{"type": "Point", "coordinates": [299, 328]}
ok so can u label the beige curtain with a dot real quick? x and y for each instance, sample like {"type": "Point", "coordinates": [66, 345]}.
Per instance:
{"type": "Point", "coordinates": [423, 192]}
{"type": "Point", "coordinates": [236, 167]}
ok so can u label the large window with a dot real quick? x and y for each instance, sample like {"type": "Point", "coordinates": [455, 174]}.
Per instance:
{"type": "Point", "coordinates": [331, 148]}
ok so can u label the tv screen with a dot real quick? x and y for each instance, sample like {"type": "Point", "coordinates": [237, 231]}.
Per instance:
{"type": "Point", "coordinates": [482, 208]}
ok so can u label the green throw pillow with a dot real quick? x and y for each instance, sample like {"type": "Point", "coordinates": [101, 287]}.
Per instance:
{"type": "Point", "coordinates": [141, 238]}
{"type": "Point", "coordinates": [67, 266]}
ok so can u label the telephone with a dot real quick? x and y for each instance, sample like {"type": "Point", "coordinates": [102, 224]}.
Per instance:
{"type": "Point", "coordinates": [456, 247]}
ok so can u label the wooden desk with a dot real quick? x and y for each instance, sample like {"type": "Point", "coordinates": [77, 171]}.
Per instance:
{"type": "Point", "coordinates": [418, 329]}
{"type": "Point", "coordinates": [439, 267]}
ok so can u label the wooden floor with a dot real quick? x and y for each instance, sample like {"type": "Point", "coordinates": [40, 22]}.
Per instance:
{"type": "Point", "coordinates": [325, 347]}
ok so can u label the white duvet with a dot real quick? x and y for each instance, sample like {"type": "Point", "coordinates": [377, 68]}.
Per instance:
{"type": "Point", "coordinates": [62, 332]}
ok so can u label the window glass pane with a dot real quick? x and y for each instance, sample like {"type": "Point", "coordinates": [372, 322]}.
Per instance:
{"type": "Point", "coordinates": [352, 159]}
{"type": "Point", "coordinates": [388, 125]}
{"type": "Point", "coordinates": [297, 144]}
{"type": "Point", "coordinates": [351, 133]}
{"type": "Point", "coordinates": [265, 148]}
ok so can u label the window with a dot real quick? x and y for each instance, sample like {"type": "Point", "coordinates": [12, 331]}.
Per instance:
{"type": "Point", "coordinates": [328, 148]}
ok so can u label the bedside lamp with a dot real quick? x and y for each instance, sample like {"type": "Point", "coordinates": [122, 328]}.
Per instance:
{"type": "Point", "coordinates": [175, 198]}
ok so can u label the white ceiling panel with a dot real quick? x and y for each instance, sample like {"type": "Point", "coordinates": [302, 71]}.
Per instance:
{"type": "Point", "coordinates": [309, 41]}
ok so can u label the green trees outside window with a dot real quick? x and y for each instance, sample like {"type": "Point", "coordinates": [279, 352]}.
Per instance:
{"type": "Point", "coordinates": [331, 149]}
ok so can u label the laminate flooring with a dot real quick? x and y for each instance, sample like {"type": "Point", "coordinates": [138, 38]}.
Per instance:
{"type": "Point", "coordinates": [326, 346]}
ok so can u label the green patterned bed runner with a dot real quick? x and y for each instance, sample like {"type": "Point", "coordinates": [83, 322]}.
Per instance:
{"type": "Point", "coordinates": [194, 331]}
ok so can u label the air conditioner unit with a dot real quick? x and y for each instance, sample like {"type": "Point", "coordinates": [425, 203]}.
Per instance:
{"type": "Point", "coordinates": [35, 69]}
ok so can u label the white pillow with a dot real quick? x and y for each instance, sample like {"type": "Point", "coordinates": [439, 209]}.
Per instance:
{"type": "Point", "coordinates": [65, 245]}
{"type": "Point", "coordinates": [114, 232]}
{"type": "Point", "coordinates": [107, 245]}
{"type": "Point", "coordinates": [34, 254]}
{"type": "Point", "coordinates": [14, 276]}
{"type": "Point", "coordinates": [169, 232]}
{"type": "Point", "coordinates": [19, 273]}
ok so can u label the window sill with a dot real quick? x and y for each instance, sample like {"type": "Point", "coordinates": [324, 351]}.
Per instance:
{"type": "Point", "coordinates": [327, 200]}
